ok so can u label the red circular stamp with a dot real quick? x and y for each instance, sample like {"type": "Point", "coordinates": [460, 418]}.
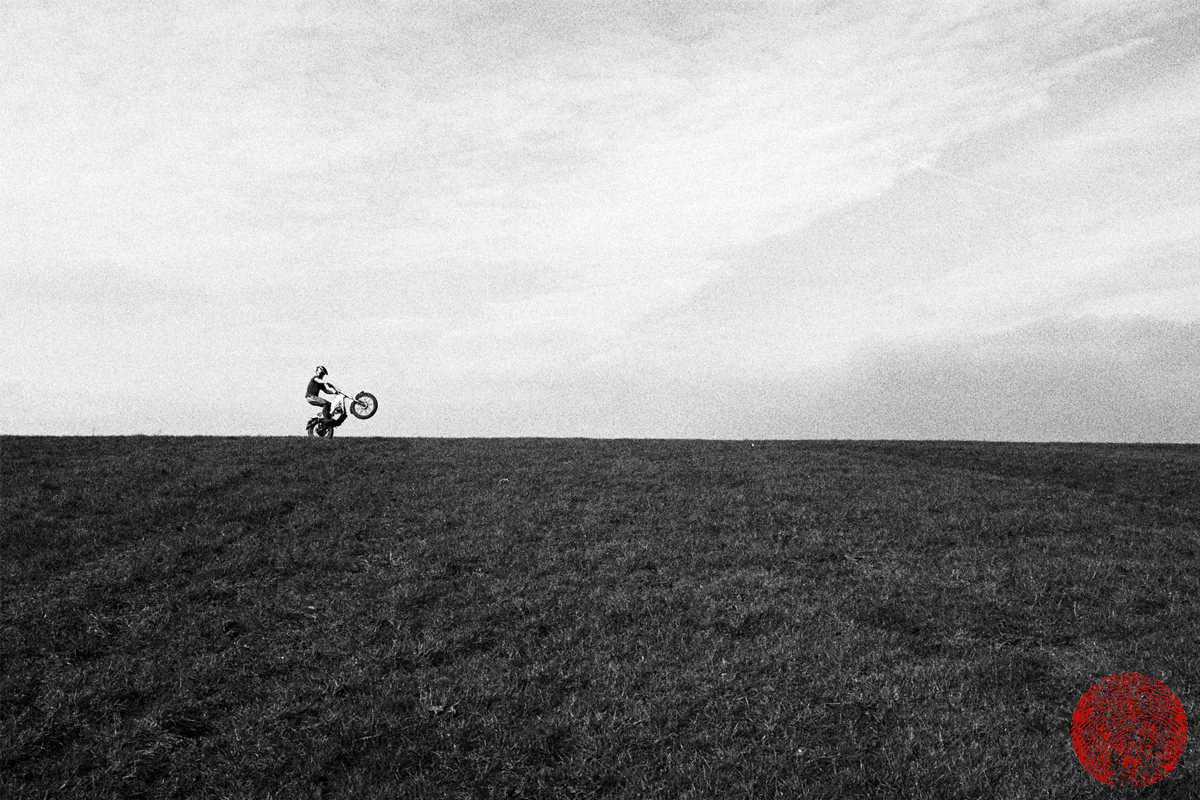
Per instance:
{"type": "Point", "coordinates": [1129, 730]}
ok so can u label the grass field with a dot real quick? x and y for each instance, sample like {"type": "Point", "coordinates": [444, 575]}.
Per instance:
{"type": "Point", "coordinates": [296, 618]}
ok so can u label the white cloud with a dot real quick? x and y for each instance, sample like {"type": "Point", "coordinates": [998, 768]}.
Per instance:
{"type": "Point", "coordinates": [627, 145]}
{"type": "Point", "coordinates": [511, 190]}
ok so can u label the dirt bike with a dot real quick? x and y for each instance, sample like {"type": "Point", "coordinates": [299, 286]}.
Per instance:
{"type": "Point", "coordinates": [363, 405]}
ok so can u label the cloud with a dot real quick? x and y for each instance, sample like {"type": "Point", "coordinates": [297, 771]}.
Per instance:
{"type": "Point", "coordinates": [1068, 379]}
{"type": "Point", "coordinates": [595, 137]}
{"type": "Point", "coordinates": [520, 192]}
{"type": "Point", "coordinates": [1077, 379]}
{"type": "Point", "coordinates": [1095, 379]}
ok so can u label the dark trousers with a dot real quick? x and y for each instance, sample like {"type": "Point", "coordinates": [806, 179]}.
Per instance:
{"type": "Point", "coordinates": [324, 404]}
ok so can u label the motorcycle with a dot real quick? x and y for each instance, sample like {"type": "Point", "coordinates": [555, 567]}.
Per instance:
{"type": "Point", "coordinates": [363, 405]}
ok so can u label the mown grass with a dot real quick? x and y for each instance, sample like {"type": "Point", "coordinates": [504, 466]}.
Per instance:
{"type": "Point", "coordinates": [568, 618]}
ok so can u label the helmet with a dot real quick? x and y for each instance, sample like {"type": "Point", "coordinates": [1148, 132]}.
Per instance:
{"type": "Point", "coordinates": [321, 372]}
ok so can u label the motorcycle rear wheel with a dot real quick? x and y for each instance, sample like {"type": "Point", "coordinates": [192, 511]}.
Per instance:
{"type": "Point", "coordinates": [316, 428]}
{"type": "Point", "coordinates": [364, 406]}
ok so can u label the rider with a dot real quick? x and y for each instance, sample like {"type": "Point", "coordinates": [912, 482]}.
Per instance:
{"type": "Point", "coordinates": [316, 385]}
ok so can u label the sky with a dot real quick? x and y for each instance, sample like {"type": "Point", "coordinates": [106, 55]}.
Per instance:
{"type": "Point", "coordinates": [976, 219]}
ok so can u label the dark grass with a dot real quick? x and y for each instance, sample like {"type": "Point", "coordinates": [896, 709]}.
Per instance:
{"type": "Point", "coordinates": [571, 618]}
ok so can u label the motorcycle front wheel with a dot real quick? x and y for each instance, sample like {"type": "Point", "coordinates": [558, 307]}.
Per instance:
{"type": "Point", "coordinates": [364, 406]}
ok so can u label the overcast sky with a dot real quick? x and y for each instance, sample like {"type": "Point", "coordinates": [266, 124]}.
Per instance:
{"type": "Point", "coordinates": [976, 219]}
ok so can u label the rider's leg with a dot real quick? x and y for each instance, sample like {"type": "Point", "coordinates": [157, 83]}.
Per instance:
{"type": "Point", "coordinates": [324, 405]}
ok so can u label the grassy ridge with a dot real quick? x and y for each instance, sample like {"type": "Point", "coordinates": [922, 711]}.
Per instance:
{"type": "Point", "coordinates": [561, 618]}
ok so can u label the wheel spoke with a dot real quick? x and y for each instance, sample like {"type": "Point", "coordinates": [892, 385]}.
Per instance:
{"type": "Point", "coordinates": [363, 406]}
